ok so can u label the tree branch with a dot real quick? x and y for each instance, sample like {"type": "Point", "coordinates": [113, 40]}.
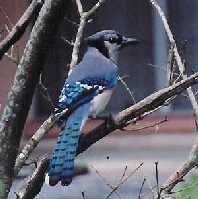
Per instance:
{"type": "Point", "coordinates": [20, 96]}
{"type": "Point", "coordinates": [180, 173]}
{"type": "Point", "coordinates": [34, 182]}
{"type": "Point", "coordinates": [34, 141]}
{"type": "Point", "coordinates": [188, 165]}
{"type": "Point", "coordinates": [176, 177]}
{"type": "Point", "coordinates": [84, 16]}
{"type": "Point", "coordinates": [176, 53]}
{"type": "Point", "coordinates": [20, 27]}
{"type": "Point", "coordinates": [132, 113]}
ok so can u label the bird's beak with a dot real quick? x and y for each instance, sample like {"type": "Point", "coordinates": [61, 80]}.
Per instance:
{"type": "Point", "coordinates": [129, 41]}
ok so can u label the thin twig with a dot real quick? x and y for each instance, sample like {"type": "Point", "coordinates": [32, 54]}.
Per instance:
{"type": "Point", "coordinates": [45, 93]}
{"type": "Point", "coordinates": [170, 65]}
{"type": "Point", "coordinates": [148, 126]}
{"type": "Point", "coordinates": [157, 179]}
{"type": "Point", "coordinates": [20, 27]}
{"type": "Point", "coordinates": [6, 16]}
{"type": "Point", "coordinates": [127, 89]}
{"type": "Point", "coordinates": [84, 17]}
{"type": "Point", "coordinates": [107, 183]}
{"type": "Point", "coordinates": [151, 188]}
{"type": "Point", "coordinates": [124, 173]}
{"type": "Point", "coordinates": [176, 53]}
{"type": "Point", "coordinates": [124, 180]}
{"type": "Point", "coordinates": [141, 188]}
{"type": "Point", "coordinates": [70, 43]}
{"type": "Point", "coordinates": [83, 194]}
{"type": "Point", "coordinates": [12, 58]}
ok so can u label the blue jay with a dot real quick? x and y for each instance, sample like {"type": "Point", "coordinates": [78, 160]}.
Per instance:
{"type": "Point", "coordinates": [88, 88]}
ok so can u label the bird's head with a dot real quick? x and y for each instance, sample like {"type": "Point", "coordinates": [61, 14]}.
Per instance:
{"type": "Point", "coordinates": [110, 42]}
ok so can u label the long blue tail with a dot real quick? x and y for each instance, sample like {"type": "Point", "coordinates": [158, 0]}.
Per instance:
{"type": "Point", "coordinates": [61, 164]}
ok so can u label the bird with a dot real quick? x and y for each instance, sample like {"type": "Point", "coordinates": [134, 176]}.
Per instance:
{"type": "Point", "coordinates": [86, 92]}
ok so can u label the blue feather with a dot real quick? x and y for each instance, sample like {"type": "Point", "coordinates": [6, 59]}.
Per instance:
{"type": "Point", "coordinates": [61, 164]}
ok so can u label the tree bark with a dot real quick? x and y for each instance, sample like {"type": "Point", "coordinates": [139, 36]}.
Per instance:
{"type": "Point", "coordinates": [20, 27]}
{"type": "Point", "coordinates": [21, 93]}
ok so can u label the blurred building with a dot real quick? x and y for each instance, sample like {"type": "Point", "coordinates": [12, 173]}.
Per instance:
{"type": "Point", "coordinates": [143, 66]}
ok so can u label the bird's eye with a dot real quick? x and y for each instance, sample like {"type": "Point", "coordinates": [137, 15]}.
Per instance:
{"type": "Point", "coordinates": [112, 39]}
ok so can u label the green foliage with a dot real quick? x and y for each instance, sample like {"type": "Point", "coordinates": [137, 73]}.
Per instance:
{"type": "Point", "coordinates": [189, 190]}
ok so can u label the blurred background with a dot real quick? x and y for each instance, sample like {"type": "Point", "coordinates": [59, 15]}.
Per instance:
{"type": "Point", "coordinates": [144, 69]}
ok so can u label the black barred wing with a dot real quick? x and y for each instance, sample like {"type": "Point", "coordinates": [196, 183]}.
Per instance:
{"type": "Point", "coordinates": [76, 94]}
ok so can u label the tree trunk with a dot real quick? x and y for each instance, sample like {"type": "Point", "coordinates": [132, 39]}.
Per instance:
{"type": "Point", "coordinates": [25, 81]}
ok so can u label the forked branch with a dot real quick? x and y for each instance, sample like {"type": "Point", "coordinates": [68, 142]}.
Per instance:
{"type": "Point", "coordinates": [20, 27]}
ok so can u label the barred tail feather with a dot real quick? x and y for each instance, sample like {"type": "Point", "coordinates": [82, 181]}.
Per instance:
{"type": "Point", "coordinates": [61, 164]}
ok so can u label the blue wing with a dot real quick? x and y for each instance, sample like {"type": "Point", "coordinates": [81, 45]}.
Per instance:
{"type": "Point", "coordinates": [75, 94]}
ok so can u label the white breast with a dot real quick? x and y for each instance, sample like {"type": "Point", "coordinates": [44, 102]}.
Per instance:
{"type": "Point", "coordinates": [99, 103]}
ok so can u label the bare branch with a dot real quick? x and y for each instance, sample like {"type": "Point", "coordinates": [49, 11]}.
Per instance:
{"type": "Point", "coordinates": [177, 177]}
{"type": "Point", "coordinates": [135, 111]}
{"type": "Point", "coordinates": [6, 16]}
{"type": "Point", "coordinates": [77, 42]}
{"type": "Point", "coordinates": [124, 173]}
{"type": "Point", "coordinates": [12, 58]}
{"type": "Point", "coordinates": [26, 78]}
{"type": "Point", "coordinates": [95, 8]}
{"type": "Point", "coordinates": [20, 27]}
{"type": "Point", "coordinates": [45, 93]}
{"type": "Point", "coordinates": [70, 43]}
{"type": "Point", "coordinates": [106, 182]}
{"type": "Point", "coordinates": [157, 179]}
{"type": "Point", "coordinates": [119, 121]}
{"type": "Point", "coordinates": [147, 126]}
{"type": "Point", "coordinates": [141, 188]}
{"type": "Point", "coordinates": [170, 65]}
{"type": "Point", "coordinates": [195, 120]}
{"type": "Point", "coordinates": [84, 17]}
{"type": "Point", "coordinates": [79, 5]}
{"type": "Point", "coordinates": [188, 165]}
{"type": "Point", "coordinates": [127, 89]}
{"type": "Point", "coordinates": [176, 53]}
{"type": "Point", "coordinates": [34, 182]}
{"type": "Point", "coordinates": [34, 141]}
{"type": "Point", "coordinates": [124, 180]}
{"type": "Point", "coordinates": [83, 194]}
{"type": "Point", "coordinates": [181, 172]}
